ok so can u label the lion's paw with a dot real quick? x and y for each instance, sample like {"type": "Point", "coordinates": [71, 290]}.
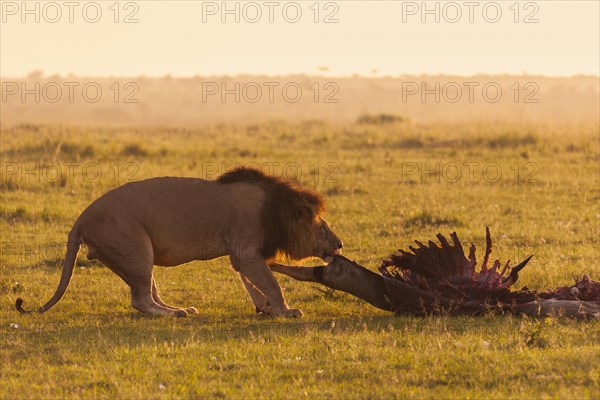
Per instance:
{"type": "Point", "coordinates": [180, 313]}
{"type": "Point", "coordinates": [267, 310]}
{"type": "Point", "coordinates": [286, 313]}
{"type": "Point", "coordinates": [293, 313]}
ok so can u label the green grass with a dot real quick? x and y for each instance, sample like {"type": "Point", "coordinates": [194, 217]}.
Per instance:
{"type": "Point", "coordinates": [387, 184]}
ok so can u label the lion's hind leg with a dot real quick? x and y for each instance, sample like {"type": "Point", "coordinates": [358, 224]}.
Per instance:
{"type": "Point", "coordinates": [159, 301]}
{"type": "Point", "coordinates": [142, 288]}
{"type": "Point", "coordinates": [126, 249]}
{"type": "Point", "coordinates": [142, 299]}
{"type": "Point", "coordinates": [135, 268]}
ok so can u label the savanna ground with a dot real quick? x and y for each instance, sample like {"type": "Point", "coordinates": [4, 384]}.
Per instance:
{"type": "Point", "coordinates": [388, 181]}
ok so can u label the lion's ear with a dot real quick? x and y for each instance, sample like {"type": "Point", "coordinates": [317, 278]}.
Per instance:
{"type": "Point", "coordinates": [304, 213]}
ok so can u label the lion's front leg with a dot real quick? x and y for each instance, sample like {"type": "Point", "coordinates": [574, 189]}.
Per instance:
{"type": "Point", "coordinates": [259, 275]}
{"type": "Point", "coordinates": [258, 298]}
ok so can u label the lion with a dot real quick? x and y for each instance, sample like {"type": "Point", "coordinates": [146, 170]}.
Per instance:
{"type": "Point", "coordinates": [245, 214]}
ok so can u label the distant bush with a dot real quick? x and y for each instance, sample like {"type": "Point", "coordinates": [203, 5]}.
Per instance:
{"type": "Point", "coordinates": [134, 149]}
{"type": "Point", "coordinates": [77, 150]}
{"type": "Point", "coordinates": [425, 218]}
{"type": "Point", "coordinates": [511, 140]}
{"type": "Point", "coordinates": [18, 214]}
{"type": "Point", "coordinates": [411, 143]}
{"type": "Point", "coordinates": [9, 184]}
{"type": "Point", "coordinates": [380, 119]}
{"type": "Point", "coordinates": [22, 214]}
{"type": "Point", "coordinates": [28, 127]}
{"type": "Point", "coordinates": [51, 150]}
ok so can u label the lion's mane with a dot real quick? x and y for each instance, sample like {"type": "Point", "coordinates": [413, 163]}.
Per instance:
{"type": "Point", "coordinates": [288, 213]}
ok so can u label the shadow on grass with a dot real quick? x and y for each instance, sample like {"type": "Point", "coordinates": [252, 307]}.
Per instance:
{"type": "Point", "coordinates": [138, 330]}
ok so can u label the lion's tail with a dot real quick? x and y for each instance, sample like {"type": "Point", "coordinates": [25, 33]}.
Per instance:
{"type": "Point", "coordinates": [73, 244]}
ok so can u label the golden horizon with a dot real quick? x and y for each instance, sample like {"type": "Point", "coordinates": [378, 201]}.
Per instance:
{"type": "Point", "coordinates": [337, 39]}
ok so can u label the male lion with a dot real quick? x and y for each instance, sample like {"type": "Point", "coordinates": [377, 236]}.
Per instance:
{"type": "Point", "coordinates": [168, 221]}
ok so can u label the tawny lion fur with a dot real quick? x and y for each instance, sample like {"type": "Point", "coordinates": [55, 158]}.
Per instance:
{"type": "Point", "coordinates": [245, 214]}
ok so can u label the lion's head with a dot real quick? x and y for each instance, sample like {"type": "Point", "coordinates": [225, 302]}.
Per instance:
{"type": "Point", "coordinates": [291, 217]}
{"type": "Point", "coordinates": [312, 237]}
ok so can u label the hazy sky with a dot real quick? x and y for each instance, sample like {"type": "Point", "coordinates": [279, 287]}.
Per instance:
{"type": "Point", "coordinates": [186, 38]}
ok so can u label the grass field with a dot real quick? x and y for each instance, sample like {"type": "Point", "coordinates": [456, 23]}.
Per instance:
{"type": "Point", "coordinates": [536, 185]}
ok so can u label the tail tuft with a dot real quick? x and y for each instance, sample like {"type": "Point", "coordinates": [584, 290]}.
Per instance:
{"type": "Point", "coordinates": [19, 306]}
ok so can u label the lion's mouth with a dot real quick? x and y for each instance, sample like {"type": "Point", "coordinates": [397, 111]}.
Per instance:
{"type": "Point", "coordinates": [328, 256]}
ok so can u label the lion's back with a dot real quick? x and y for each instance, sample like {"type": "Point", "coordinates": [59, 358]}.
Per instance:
{"type": "Point", "coordinates": [185, 218]}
